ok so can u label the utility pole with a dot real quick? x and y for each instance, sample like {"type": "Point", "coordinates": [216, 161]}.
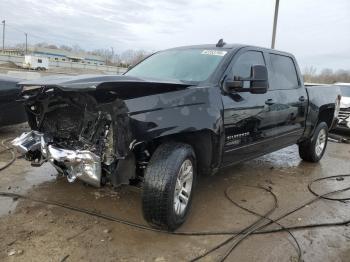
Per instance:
{"type": "Point", "coordinates": [26, 42]}
{"type": "Point", "coordinates": [275, 25]}
{"type": "Point", "coordinates": [26, 34]}
{"type": "Point", "coordinates": [3, 36]}
{"type": "Point", "coordinates": [112, 58]}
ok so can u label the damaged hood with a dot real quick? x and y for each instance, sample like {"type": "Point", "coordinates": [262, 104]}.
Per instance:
{"type": "Point", "coordinates": [93, 82]}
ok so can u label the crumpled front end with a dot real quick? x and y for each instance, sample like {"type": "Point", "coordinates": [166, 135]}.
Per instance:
{"type": "Point", "coordinates": [72, 132]}
{"type": "Point", "coordinates": [81, 164]}
{"type": "Point", "coordinates": [101, 129]}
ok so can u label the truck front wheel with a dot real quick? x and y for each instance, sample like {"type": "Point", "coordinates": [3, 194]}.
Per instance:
{"type": "Point", "coordinates": [312, 150]}
{"type": "Point", "coordinates": [168, 185]}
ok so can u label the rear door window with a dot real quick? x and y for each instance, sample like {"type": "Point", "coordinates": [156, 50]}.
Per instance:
{"type": "Point", "coordinates": [283, 74]}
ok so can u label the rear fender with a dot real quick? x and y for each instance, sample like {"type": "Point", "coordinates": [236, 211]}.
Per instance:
{"type": "Point", "coordinates": [322, 106]}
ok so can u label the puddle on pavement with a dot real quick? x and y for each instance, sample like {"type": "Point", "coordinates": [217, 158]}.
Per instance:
{"type": "Point", "coordinates": [44, 183]}
{"type": "Point", "coordinates": [39, 175]}
{"type": "Point", "coordinates": [283, 158]}
{"type": "Point", "coordinates": [21, 178]}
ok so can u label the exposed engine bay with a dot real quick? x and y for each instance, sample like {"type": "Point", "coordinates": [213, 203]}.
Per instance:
{"type": "Point", "coordinates": [74, 123]}
{"type": "Point", "coordinates": [73, 133]}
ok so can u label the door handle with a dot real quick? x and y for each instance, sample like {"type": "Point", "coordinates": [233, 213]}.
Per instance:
{"type": "Point", "coordinates": [270, 102]}
{"type": "Point", "coordinates": [302, 99]}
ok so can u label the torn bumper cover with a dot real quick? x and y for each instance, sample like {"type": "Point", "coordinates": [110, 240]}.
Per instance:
{"type": "Point", "coordinates": [81, 164]}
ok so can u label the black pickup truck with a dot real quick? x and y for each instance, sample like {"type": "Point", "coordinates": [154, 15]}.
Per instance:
{"type": "Point", "coordinates": [178, 113]}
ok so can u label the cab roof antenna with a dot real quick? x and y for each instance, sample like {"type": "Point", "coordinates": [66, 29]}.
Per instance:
{"type": "Point", "coordinates": [220, 43]}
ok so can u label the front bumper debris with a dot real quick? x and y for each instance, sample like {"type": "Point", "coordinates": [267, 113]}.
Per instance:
{"type": "Point", "coordinates": [344, 117]}
{"type": "Point", "coordinates": [81, 164]}
{"type": "Point", "coordinates": [30, 141]}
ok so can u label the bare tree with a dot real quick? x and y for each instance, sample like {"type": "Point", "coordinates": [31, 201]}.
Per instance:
{"type": "Point", "coordinates": [66, 47]}
{"type": "Point", "coordinates": [132, 57]}
{"type": "Point", "coordinates": [326, 76]}
{"type": "Point", "coordinates": [309, 73]}
{"type": "Point", "coordinates": [77, 49]}
{"type": "Point", "coordinates": [41, 44]}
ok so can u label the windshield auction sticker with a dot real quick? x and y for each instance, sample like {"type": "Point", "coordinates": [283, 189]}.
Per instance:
{"type": "Point", "coordinates": [214, 52]}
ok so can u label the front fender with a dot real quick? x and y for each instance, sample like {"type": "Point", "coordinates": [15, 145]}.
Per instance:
{"type": "Point", "coordinates": [146, 118]}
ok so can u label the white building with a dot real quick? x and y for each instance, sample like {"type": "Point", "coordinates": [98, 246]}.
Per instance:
{"type": "Point", "coordinates": [60, 55]}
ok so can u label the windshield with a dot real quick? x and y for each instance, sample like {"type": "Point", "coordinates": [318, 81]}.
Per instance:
{"type": "Point", "coordinates": [188, 65]}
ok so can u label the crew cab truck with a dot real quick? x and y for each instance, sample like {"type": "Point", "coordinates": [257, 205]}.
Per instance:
{"type": "Point", "coordinates": [177, 114]}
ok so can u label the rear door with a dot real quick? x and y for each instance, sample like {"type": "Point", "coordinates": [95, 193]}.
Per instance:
{"type": "Point", "coordinates": [290, 98]}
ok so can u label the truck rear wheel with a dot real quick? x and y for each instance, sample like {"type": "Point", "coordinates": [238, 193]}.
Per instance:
{"type": "Point", "coordinates": [168, 185]}
{"type": "Point", "coordinates": [312, 150]}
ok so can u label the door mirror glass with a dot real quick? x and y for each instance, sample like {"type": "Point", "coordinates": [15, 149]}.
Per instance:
{"type": "Point", "coordinates": [258, 81]}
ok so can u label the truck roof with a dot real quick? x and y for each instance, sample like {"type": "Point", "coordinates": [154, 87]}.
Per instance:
{"type": "Point", "coordinates": [231, 47]}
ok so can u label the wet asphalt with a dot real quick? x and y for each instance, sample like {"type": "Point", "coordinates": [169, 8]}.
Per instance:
{"type": "Point", "coordinates": [38, 232]}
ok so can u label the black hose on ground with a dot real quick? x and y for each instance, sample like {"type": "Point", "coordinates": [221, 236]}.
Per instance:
{"type": "Point", "coordinates": [147, 228]}
{"type": "Point", "coordinates": [275, 221]}
{"type": "Point", "coordinates": [298, 248]}
{"type": "Point", "coordinates": [325, 196]}
{"type": "Point", "coordinates": [258, 227]}
{"type": "Point", "coordinates": [242, 232]}
{"type": "Point", "coordinates": [246, 232]}
{"type": "Point", "coordinates": [11, 150]}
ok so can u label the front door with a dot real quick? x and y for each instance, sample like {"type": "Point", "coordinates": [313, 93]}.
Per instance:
{"type": "Point", "coordinates": [248, 118]}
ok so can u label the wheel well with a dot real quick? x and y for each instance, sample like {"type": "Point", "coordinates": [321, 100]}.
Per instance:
{"type": "Point", "coordinates": [203, 143]}
{"type": "Point", "coordinates": [326, 115]}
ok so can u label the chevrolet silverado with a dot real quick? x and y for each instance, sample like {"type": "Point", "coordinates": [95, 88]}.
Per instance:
{"type": "Point", "coordinates": [177, 114]}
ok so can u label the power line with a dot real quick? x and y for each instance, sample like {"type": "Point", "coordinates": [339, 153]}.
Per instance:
{"type": "Point", "coordinates": [13, 27]}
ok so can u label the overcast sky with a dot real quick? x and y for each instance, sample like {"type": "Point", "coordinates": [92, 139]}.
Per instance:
{"type": "Point", "coordinates": [317, 32]}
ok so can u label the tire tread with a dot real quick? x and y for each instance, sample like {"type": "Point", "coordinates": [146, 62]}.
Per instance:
{"type": "Point", "coordinates": [157, 195]}
{"type": "Point", "coordinates": [307, 147]}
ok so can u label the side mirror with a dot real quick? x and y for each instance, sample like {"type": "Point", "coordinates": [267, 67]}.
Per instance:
{"type": "Point", "coordinates": [258, 81]}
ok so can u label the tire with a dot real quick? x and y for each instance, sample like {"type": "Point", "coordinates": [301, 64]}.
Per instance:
{"type": "Point", "coordinates": [163, 199]}
{"type": "Point", "coordinates": [312, 149]}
